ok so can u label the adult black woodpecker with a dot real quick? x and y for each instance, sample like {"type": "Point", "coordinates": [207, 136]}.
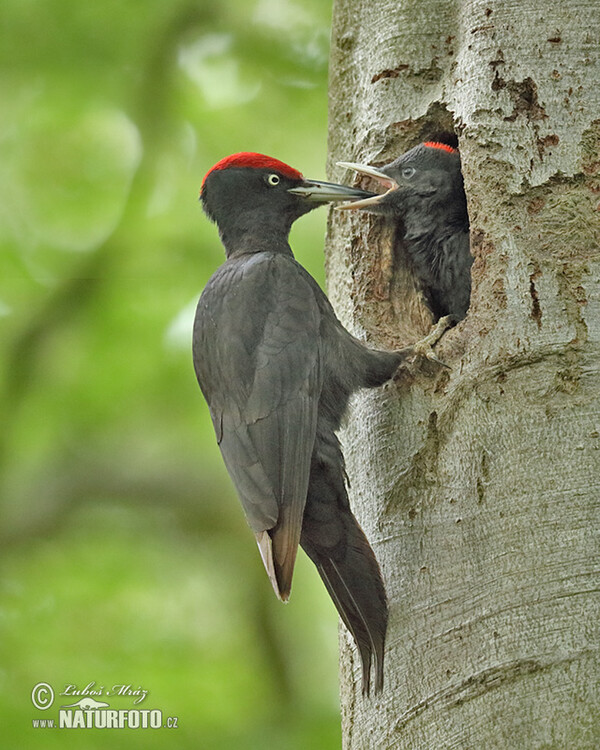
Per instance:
{"type": "Point", "coordinates": [426, 196]}
{"type": "Point", "coordinates": [277, 369]}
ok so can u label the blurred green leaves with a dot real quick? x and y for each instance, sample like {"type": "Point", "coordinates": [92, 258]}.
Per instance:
{"type": "Point", "coordinates": [126, 553]}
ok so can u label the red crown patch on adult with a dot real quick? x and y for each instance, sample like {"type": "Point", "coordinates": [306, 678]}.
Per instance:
{"type": "Point", "coordinates": [442, 146]}
{"type": "Point", "coordinates": [257, 161]}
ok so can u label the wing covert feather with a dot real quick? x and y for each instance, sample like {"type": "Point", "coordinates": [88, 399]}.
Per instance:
{"type": "Point", "coordinates": [258, 360]}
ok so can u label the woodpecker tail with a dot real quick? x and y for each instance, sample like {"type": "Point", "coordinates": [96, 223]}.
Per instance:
{"type": "Point", "coordinates": [336, 544]}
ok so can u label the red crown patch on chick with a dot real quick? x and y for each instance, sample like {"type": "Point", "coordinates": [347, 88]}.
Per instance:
{"type": "Point", "coordinates": [442, 146]}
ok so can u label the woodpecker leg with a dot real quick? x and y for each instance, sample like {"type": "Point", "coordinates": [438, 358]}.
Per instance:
{"type": "Point", "coordinates": [424, 347]}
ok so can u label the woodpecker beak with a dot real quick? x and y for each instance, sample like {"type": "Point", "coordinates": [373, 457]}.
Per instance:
{"type": "Point", "coordinates": [385, 180]}
{"type": "Point", "coordinates": [327, 192]}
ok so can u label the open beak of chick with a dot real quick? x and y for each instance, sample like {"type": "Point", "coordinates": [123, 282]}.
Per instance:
{"type": "Point", "coordinates": [381, 177]}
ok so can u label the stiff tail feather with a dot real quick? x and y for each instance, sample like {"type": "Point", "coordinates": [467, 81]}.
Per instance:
{"type": "Point", "coordinates": [351, 574]}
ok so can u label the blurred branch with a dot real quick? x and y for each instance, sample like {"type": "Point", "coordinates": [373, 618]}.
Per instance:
{"type": "Point", "coordinates": [171, 490]}
{"type": "Point", "coordinates": [175, 494]}
{"type": "Point", "coordinates": [151, 114]}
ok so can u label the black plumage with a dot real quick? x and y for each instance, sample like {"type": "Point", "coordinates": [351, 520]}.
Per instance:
{"type": "Point", "coordinates": [426, 197]}
{"type": "Point", "coordinates": [277, 369]}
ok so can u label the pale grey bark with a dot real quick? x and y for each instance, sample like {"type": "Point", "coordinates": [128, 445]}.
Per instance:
{"type": "Point", "coordinates": [479, 487]}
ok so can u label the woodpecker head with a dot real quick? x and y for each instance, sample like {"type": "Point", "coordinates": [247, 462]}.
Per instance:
{"type": "Point", "coordinates": [252, 193]}
{"type": "Point", "coordinates": [426, 179]}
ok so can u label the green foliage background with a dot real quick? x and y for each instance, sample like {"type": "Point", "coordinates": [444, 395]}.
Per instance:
{"type": "Point", "coordinates": [125, 556]}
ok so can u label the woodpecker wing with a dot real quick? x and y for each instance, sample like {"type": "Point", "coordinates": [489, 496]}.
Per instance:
{"type": "Point", "coordinates": [258, 361]}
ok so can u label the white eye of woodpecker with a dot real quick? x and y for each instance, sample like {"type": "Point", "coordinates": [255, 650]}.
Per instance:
{"type": "Point", "coordinates": [408, 172]}
{"type": "Point", "coordinates": [273, 179]}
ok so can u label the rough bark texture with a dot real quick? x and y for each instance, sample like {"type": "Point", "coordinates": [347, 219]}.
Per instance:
{"type": "Point", "coordinates": [479, 487]}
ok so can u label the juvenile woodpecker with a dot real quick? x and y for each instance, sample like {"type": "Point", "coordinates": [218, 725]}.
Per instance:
{"type": "Point", "coordinates": [425, 194]}
{"type": "Point", "coordinates": [277, 369]}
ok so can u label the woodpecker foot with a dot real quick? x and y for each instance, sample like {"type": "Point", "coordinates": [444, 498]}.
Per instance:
{"type": "Point", "coordinates": [424, 347]}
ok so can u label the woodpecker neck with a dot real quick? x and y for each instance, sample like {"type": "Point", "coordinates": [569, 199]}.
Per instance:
{"type": "Point", "coordinates": [253, 233]}
{"type": "Point", "coordinates": [426, 224]}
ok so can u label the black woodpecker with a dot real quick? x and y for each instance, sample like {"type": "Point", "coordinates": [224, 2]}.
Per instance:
{"type": "Point", "coordinates": [277, 369]}
{"type": "Point", "coordinates": [425, 194]}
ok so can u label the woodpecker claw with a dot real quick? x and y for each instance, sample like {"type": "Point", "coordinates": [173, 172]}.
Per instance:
{"type": "Point", "coordinates": [424, 347]}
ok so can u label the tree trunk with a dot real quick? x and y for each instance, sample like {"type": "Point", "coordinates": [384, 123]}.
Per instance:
{"type": "Point", "coordinates": [479, 486]}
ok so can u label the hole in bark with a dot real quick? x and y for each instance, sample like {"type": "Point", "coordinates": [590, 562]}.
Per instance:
{"type": "Point", "coordinates": [394, 298]}
{"type": "Point", "coordinates": [536, 310]}
{"type": "Point", "coordinates": [480, 491]}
